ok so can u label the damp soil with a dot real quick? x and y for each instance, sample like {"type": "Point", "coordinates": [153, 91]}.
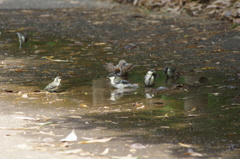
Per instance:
{"type": "Point", "coordinates": [194, 116]}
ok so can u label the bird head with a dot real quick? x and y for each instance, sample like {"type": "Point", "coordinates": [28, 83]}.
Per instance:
{"type": "Point", "coordinates": [121, 63]}
{"type": "Point", "coordinates": [58, 79]}
{"type": "Point", "coordinates": [111, 75]}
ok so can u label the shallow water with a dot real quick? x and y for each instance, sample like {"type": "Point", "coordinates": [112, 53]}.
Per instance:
{"type": "Point", "coordinates": [201, 110]}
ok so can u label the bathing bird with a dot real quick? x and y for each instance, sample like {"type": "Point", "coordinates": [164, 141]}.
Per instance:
{"type": "Point", "coordinates": [150, 78]}
{"type": "Point", "coordinates": [117, 82]}
{"type": "Point", "coordinates": [121, 69]}
{"type": "Point", "coordinates": [54, 86]}
{"type": "Point", "coordinates": [170, 72]}
{"type": "Point", "coordinates": [22, 39]}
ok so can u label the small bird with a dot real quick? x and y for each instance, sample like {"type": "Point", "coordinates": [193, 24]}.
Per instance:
{"type": "Point", "coordinates": [150, 78]}
{"type": "Point", "coordinates": [22, 39]}
{"type": "Point", "coordinates": [170, 72]}
{"type": "Point", "coordinates": [121, 69]}
{"type": "Point", "coordinates": [54, 86]}
{"type": "Point", "coordinates": [117, 82]}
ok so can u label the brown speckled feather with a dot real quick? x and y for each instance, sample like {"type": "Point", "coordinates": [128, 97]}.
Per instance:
{"type": "Point", "coordinates": [109, 67]}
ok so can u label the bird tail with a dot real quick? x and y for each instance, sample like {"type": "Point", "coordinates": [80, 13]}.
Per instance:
{"type": "Point", "coordinates": [134, 85]}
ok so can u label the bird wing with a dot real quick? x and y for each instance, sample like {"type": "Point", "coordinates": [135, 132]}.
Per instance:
{"type": "Point", "coordinates": [52, 86]}
{"type": "Point", "coordinates": [124, 69]}
{"type": "Point", "coordinates": [109, 67]}
{"type": "Point", "coordinates": [124, 82]}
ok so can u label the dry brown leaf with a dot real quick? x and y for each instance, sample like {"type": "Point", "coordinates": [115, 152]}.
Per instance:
{"type": "Point", "coordinates": [184, 145]}
{"type": "Point", "coordinates": [208, 68]}
{"type": "Point", "coordinates": [83, 105]}
{"type": "Point", "coordinates": [99, 43]}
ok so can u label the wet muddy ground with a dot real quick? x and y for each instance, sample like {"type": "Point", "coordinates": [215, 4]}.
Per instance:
{"type": "Point", "coordinates": [196, 116]}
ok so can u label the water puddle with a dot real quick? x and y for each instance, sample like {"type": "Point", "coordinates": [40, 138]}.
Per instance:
{"type": "Point", "coordinates": [199, 108]}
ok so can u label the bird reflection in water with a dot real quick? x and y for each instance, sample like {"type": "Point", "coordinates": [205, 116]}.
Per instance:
{"type": "Point", "coordinates": [119, 93]}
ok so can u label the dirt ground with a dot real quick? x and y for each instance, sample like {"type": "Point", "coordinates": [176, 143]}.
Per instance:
{"type": "Point", "coordinates": [157, 38]}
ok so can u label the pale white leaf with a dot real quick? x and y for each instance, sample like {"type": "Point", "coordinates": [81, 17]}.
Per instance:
{"type": "Point", "coordinates": [105, 151]}
{"type": "Point", "coordinates": [25, 118]}
{"type": "Point", "coordinates": [137, 146]}
{"type": "Point", "coordinates": [96, 140]}
{"type": "Point", "coordinates": [71, 137]}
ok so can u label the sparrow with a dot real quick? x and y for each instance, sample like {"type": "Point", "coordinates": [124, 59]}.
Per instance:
{"type": "Point", "coordinates": [150, 78]}
{"type": "Point", "coordinates": [117, 82]}
{"type": "Point", "coordinates": [170, 72]}
{"type": "Point", "coordinates": [54, 86]}
{"type": "Point", "coordinates": [121, 69]}
{"type": "Point", "coordinates": [22, 39]}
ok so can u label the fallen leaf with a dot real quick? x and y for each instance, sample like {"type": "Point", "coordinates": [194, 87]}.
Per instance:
{"type": "Point", "coordinates": [165, 116]}
{"type": "Point", "coordinates": [77, 117]}
{"type": "Point", "coordinates": [96, 141]}
{"type": "Point", "coordinates": [25, 95]}
{"type": "Point", "coordinates": [215, 94]}
{"type": "Point", "coordinates": [74, 151]}
{"type": "Point", "coordinates": [59, 60]}
{"type": "Point", "coordinates": [39, 51]}
{"type": "Point", "coordinates": [42, 124]}
{"type": "Point", "coordinates": [99, 43]}
{"type": "Point", "coordinates": [136, 104]}
{"type": "Point", "coordinates": [83, 105]}
{"type": "Point", "coordinates": [48, 57]}
{"type": "Point", "coordinates": [193, 109]}
{"type": "Point", "coordinates": [106, 151]}
{"type": "Point", "coordinates": [124, 157]}
{"type": "Point", "coordinates": [192, 115]}
{"type": "Point", "coordinates": [47, 133]}
{"type": "Point", "coordinates": [184, 145]}
{"type": "Point", "coordinates": [137, 146]}
{"type": "Point", "coordinates": [45, 15]}
{"type": "Point", "coordinates": [71, 137]}
{"type": "Point", "coordinates": [217, 50]}
{"type": "Point", "coordinates": [17, 70]}
{"type": "Point", "coordinates": [201, 46]}
{"type": "Point", "coordinates": [192, 153]}
{"type": "Point", "coordinates": [25, 118]}
{"type": "Point", "coordinates": [208, 68]}
{"type": "Point", "coordinates": [164, 127]}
